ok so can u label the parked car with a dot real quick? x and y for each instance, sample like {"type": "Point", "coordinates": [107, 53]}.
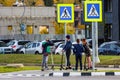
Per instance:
{"type": "Point", "coordinates": [4, 48]}
{"type": "Point", "coordinates": [59, 49]}
{"type": "Point", "coordinates": [89, 41]}
{"type": "Point", "coordinates": [16, 44]}
{"type": "Point", "coordinates": [109, 48]}
{"type": "Point", "coordinates": [32, 48]}
{"type": "Point", "coordinates": [6, 40]}
{"type": "Point", "coordinates": [100, 41]}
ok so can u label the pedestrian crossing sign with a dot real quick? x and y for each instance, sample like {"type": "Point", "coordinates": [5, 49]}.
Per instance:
{"type": "Point", "coordinates": [65, 13]}
{"type": "Point", "coordinates": [93, 11]}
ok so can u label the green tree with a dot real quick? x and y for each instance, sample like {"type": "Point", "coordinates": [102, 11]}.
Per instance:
{"type": "Point", "coordinates": [59, 28]}
{"type": "Point", "coordinates": [48, 2]}
{"type": "Point", "coordinates": [33, 2]}
{"type": "Point", "coordinates": [7, 2]}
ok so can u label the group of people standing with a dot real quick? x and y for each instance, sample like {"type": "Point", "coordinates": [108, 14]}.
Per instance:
{"type": "Point", "coordinates": [78, 51]}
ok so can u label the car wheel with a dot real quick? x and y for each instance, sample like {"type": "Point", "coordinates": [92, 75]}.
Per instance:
{"type": "Point", "coordinates": [101, 53]}
{"type": "Point", "coordinates": [118, 53]}
{"type": "Point", "coordinates": [36, 52]}
{"type": "Point", "coordinates": [56, 53]}
{"type": "Point", "coordinates": [22, 52]}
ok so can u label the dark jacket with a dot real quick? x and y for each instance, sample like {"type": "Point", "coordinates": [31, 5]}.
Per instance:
{"type": "Point", "coordinates": [68, 46]}
{"type": "Point", "coordinates": [78, 49]}
{"type": "Point", "coordinates": [87, 50]}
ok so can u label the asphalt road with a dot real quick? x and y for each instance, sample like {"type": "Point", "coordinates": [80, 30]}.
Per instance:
{"type": "Point", "coordinates": [66, 78]}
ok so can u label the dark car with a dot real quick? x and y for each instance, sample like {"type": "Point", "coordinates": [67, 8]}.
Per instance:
{"type": "Point", "coordinates": [100, 41]}
{"type": "Point", "coordinates": [109, 48]}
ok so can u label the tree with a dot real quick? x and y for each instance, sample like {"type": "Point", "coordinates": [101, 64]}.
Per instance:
{"type": "Point", "coordinates": [7, 2]}
{"type": "Point", "coordinates": [48, 2]}
{"type": "Point", "coordinates": [33, 2]}
{"type": "Point", "coordinates": [59, 28]}
{"type": "Point", "coordinates": [39, 3]}
{"type": "Point", "coordinates": [43, 30]}
{"type": "Point", "coordinates": [70, 28]}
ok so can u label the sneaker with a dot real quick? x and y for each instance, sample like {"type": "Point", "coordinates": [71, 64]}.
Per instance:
{"type": "Point", "coordinates": [66, 68]}
{"type": "Point", "coordinates": [70, 67]}
{"type": "Point", "coordinates": [81, 70]}
{"type": "Point", "coordinates": [42, 69]}
{"type": "Point", "coordinates": [46, 68]}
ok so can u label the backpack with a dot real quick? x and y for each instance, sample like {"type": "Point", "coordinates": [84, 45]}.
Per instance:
{"type": "Point", "coordinates": [46, 48]}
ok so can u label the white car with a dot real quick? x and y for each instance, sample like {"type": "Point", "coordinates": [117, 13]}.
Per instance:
{"type": "Point", "coordinates": [4, 48]}
{"type": "Point", "coordinates": [16, 44]}
{"type": "Point", "coordinates": [32, 48]}
{"type": "Point", "coordinates": [60, 48]}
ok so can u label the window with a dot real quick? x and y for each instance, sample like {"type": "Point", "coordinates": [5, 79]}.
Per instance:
{"type": "Point", "coordinates": [44, 29]}
{"type": "Point", "coordinates": [34, 45]}
{"type": "Point", "coordinates": [118, 44]}
{"type": "Point", "coordinates": [107, 31]}
{"type": "Point", "coordinates": [29, 46]}
{"type": "Point", "coordinates": [108, 5]}
{"type": "Point", "coordinates": [38, 44]}
{"type": "Point", "coordinates": [106, 46]}
{"type": "Point", "coordinates": [23, 42]}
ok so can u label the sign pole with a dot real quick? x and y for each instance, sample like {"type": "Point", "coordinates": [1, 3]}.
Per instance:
{"type": "Point", "coordinates": [97, 60]}
{"type": "Point", "coordinates": [93, 13]}
{"type": "Point", "coordinates": [65, 29]}
{"type": "Point", "coordinates": [95, 57]}
{"type": "Point", "coordinates": [93, 45]}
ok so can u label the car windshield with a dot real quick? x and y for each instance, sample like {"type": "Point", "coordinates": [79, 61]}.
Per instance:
{"type": "Point", "coordinates": [2, 44]}
{"type": "Point", "coordinates": [27, 44]}
{"type": "Point", "coordinates": [11, 43]}
{"type": "Point", "coordinates": [23, 42]}
{"type": "Point", "coordinates": [118, 44]}
{"type": "Point", "coordinates": [62, 46]}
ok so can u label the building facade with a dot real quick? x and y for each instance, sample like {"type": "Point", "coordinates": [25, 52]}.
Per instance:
{"type": "Point", "coordinates": [109, 28]}
{"type": "Point", "coordinates": [116, 20]}
{"type": "Point", "coordinates": [16, 21]}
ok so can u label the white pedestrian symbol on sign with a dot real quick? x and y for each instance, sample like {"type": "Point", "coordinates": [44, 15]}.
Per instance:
{"type": "Point", "coordinates": [93, 11]}
{"type": "Point", "coordinates": [65, 14]}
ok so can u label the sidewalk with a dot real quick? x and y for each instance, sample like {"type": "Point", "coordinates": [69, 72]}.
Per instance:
{"type": "Point", "coordinates": [98, 72]}
{"type": "Point", "coordinates": [65, 73]}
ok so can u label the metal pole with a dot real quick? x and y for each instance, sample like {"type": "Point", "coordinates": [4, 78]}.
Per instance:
{"type": "Point", "coordinates": [95, 57]}
{"type": "Point", "coordinates": [65, 28]}
{"type": "Point", "coordinates": [97, 60]}
{"type": "Point", "coordinates": [93, 45]}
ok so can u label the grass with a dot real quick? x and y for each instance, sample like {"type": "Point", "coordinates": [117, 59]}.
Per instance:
{"type": "Point", "coordinates": [4, 69]}
{"type": "Point", "coordinates": [37, 59]}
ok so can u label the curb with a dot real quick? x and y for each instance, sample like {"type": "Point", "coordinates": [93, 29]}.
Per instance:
{"type": "Point", "coordinates": [109, 66]}
{"type": "Point", "coordinates": [71, 74]}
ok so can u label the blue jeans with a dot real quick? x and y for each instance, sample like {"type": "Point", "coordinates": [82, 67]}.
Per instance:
{"type": "Point", "coordinates": [44, 61]}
